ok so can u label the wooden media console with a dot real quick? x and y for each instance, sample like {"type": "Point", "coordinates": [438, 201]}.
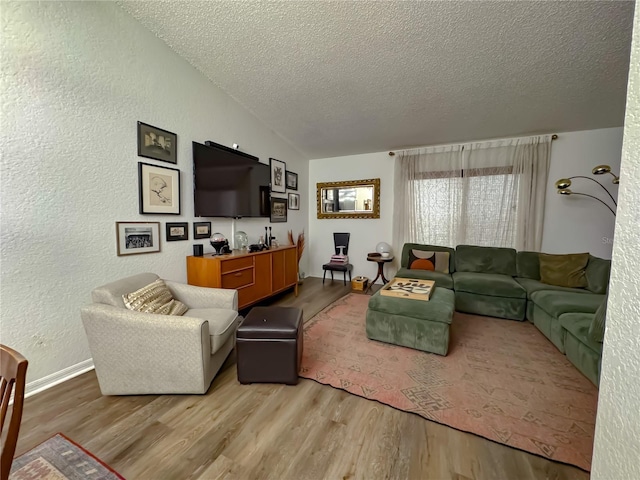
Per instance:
{"type": "Point", "coordinates": [256, 276]}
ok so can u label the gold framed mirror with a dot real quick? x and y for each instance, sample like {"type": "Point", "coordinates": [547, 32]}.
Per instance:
{"type": "Point", "coordinates": [349, 199]}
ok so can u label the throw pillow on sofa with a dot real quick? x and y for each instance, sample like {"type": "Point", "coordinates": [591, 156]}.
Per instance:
{"type": "Point", "coordinates": [426, 260]}
{"type": "Point", "coordinates": [564, 270]}
{"type": "Point", "coordinates": [154, 298]}
{"type": "Point", "coordinates": [596, 329]}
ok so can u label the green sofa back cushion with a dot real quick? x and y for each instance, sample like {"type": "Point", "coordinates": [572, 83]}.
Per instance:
{"type": "Point", "coordinates": [598, 270]}
{"type": "Point", "coordinates": [406, 249]}
{"type": "Point", "coordinates": [470, 258]}
{"type": "Point", "coordinates": [528, 265]}
{"type": "Point", "coordinates": [596, 329]}
{"type": "Point", "coordinates": [567, 270]}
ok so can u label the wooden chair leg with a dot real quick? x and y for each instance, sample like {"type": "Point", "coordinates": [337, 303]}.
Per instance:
{"type": "Point", "coordinates": [331, 276]}
{"type": "Point", "coordinates": [344, 277]}
{"type": "Point", "coordinates": [323, 276]}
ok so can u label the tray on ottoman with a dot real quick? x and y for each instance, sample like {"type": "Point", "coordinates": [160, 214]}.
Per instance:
{"type": "Point", "coordinates": [412, 288]}
{"type": "Point", "coordinates": [269, 345]}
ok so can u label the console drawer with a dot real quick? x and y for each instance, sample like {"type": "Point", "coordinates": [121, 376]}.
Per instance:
{"type": "Point", "coordinates": [238, 279]}
{"type": "Point", "coordinates": [236, 264]}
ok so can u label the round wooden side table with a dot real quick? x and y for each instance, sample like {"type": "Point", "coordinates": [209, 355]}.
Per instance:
{"type": "Point", "coordinates": [380, 261]}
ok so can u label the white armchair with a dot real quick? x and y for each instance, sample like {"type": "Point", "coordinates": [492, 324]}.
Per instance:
{"type": "Point", "coordinates": [144, 353]}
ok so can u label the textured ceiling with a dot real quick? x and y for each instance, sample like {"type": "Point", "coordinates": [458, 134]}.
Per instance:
{"type": "Point", "coordinates": [340, 78]}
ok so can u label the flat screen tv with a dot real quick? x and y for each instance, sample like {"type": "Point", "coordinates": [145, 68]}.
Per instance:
{"type": "Point", "coordinates": [228, 183]}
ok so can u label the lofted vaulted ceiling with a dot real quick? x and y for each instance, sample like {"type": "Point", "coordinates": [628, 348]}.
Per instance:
{"type": "Point", "coordinates": [344, 77]}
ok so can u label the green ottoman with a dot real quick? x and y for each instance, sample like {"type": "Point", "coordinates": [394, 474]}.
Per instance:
{"type": "Point", "coordinates": [412, 323]}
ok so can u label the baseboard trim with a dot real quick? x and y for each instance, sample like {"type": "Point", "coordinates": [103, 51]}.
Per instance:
{"type": "Point", "coordinates": [56, 378]}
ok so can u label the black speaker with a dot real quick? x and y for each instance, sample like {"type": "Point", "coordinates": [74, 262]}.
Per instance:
{"type": "Point", "coordinates": [198, 250]}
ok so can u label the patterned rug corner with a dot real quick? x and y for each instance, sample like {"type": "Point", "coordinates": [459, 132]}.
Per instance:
{"type": "Point", "coordinates": [502, 379]}
{"type": "Point", "coordinates": [59, 458]}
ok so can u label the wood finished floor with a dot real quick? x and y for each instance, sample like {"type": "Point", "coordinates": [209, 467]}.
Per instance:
{"type": "Point", "coordinates": [309, 431]}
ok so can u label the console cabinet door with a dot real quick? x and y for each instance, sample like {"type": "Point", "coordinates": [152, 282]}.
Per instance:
{"type": "Point", "coordinates": [262, 286]}
{"type": "Point", "coordinates": [291, 266]}
{"type": "Point", "coordinates": [278, 270]}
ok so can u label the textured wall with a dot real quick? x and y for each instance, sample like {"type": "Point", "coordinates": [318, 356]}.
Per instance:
{"type": "Point", "coordinates": [581, 224]}
{"type": "Point", "coordinates": [365, 233]}
{"type": "Point", "coordinates": [617, 441]}
{"type": "Point", "coordinates": [571, 224]}
{"type": "Point", "coordinates": [76, 76]}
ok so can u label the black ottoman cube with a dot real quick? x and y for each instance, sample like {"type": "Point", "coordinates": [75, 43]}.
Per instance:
{"type": "Point", "coordinates": [269, 345]}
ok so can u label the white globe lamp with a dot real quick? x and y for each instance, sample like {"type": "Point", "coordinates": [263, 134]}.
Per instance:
{"type": "Point", "coordinates": [384, 249]}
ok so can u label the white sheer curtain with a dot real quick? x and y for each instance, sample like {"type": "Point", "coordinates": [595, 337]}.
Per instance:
{"type": "Point", "coordinates": [485, 193]}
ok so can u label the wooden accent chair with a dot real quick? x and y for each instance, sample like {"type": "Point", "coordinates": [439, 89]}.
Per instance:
{"type": "Point", "coordinates": [339, 240]}
{"type": "Point", "coordinates": [13, 373]}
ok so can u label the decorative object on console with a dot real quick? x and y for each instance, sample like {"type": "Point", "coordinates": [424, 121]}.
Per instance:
{"type": "Point", "coordinates": [278, 169]}
{"type": "Point", "coordinates": [292, 180]}
{"type": "Point", "coordinates": [427, 260]}
{"type": "Point", "coordinates": [156, 143]}
{"type": "Point", "coordinates": [241, 240]}
{"type": "Point", "coordinates": [137, 237]}
{"type": "Point", "coordinates": [384, 249]}
{"type": "Point", "coordinates": [198, 250]}
{"type": "Point", "coordinates": [564, 183]}
{"type": "Point", "coordinates": [159, 189]}
{"type": "Point", "coordinates": [294, 201]}
{"type": "Point", "coordinates": [300, 250]}
{"type": "Point", "coordinates": [201, 230]}
{"type": "Point", "coordinates": [278, 210]}
{"type": "Point", "coordinates": [177, 231]}
{"type": "Point", "coordinates": [218, 241]}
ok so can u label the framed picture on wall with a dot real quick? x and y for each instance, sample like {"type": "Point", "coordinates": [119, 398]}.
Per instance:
{"type": "Point", "coordinates": [201, 229]}
{"type": "Point", "coordinates": [134, 238]}
{"type": "Point", "coordinates": [278, 170]}
{"type": "Point", "coordinates": [177, 231]}
{"type": "Point", "coordinates": [292, 180]}
{"type": "Point", "coordinates": [278, 210]}
{"type": "Point", "coordinates": [294, 201]}
{"type": "Point", "coordinates": [159, 189]}
{"type": "Point", "coordinates": [153, 142]}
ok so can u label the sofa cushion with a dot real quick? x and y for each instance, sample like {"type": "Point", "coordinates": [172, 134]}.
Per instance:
{"type": "Point", "coordinates": [429, 260]}
{"type": "Point", "coordinates": [556, 303]}
{"type": "Point", "coordinates": [443, 280]}
{"type": "Point", "coordinates": [404, 261]}
{"type": "Point", "coordinates": [564, 270]}
{"type": "Point", "coordinates": [154, 298]}
{"type": "Point", "coordinates": [501, 261]}
{"type": "Point", "coordinates": [488, 284]}
{"type": "Point", "coordinates": [111, 293]}
{"type": "Point", "coordinates": [528, 265]}
{"type": "Point", "coordinates": [531, 286]}
{"type": "Point", "coordinates": [578, 325]}
{"type": "Point", "coordinates": [597, 272]}
{"type": "Point", "coordinates": [222, 324]}
{"type": "Point", "coordinates": [596, 329]}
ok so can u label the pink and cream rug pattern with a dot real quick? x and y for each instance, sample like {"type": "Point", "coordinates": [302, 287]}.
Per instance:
{"type": "Point", "coordinates": [502, 380]}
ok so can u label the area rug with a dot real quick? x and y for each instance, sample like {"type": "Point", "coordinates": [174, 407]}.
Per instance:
{"type": "Point", "coordinates": [59, 458]}
{"type": "Point", "coordinates": [502, 379]}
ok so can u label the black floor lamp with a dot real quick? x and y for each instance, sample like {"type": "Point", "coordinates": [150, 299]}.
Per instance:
{"type": "Point", "coordinates": [564, 183]}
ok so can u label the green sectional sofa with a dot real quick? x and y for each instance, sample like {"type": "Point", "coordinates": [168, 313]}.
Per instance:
{"type": "Point", "coordinates": [504, 283]}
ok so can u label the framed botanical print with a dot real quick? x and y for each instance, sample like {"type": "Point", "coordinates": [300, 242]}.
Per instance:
{"type": "Point", "coordinates": [201, 230]}
{"type": "Point", "coordinates": [177, 231]}
{"type": "Point", "coordinates": [278, 170]}
{"type": "Point", "coordinates": [278, 210]}
{"type": "Point", "coordinates": [159, 189]}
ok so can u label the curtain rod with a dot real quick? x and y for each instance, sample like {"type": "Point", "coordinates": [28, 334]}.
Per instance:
{"type": "Point", "coordinates": [553, 137]}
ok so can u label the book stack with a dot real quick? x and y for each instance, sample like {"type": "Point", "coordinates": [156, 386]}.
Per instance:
{"type": "Point", "coordinates": [341, 259]}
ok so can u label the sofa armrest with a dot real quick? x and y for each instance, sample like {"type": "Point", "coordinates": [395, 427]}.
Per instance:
{"type": "Point", "coordinates": [138, 353]}
{"type": "Point", "coordinates": [203, 297]}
